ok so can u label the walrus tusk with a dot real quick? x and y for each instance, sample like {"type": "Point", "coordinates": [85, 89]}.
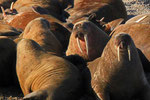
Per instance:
{"type": "Point", "coordinates": [139, 20]}
{"type": "Point", "coordinates": [3, 11]}
{"type": "Point", "coordinates": [101, 19]}
{"type": "Point", "coordinates": [118, 52]}
{"type": "Point", "coordinates": [12, 6]}
{"type": "Point", "coordinates": [79, 46]}
{"type": "Point", "coordinates": [87, 44]}
{"type": "Point", "coordinates": [129, 53]}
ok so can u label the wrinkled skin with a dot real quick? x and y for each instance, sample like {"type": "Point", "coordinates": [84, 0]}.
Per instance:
{"type": "Point", "coordinates": [46, 76]}
{"type": "Point", "coordinates": [119, 77]}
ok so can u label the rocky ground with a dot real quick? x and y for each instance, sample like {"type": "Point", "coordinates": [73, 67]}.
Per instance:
{"type": "Point", "coordinates": [136, 7]}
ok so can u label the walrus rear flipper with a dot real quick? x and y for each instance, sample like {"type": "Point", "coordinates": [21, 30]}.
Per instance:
{"type": "Point", "coordinates": [37, 95]}
{"type": "Point", "coordinates": [144, 60]}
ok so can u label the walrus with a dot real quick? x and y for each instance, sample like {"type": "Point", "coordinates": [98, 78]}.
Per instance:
{"type": "Point", "coordinates": [6, 3]}
{"type": "Point", "coordinates": [8, 75]}
{"type": "Point", "coordinates": [20, 20]}
{"type": "Point", "coordinates": [39, 31]}
{"type": "Point", "coordinates": [139, 33]}
{"type": "Point", "coordinates": [87, 40]}
{"type": "Point", "coordinates": [53, 7]}
{"type": "Point", "coordinates": [118, 73]}
{"type": "Point", "coordinates": [45, 76]}
{"type": "Point", "coordinates": [109, 9]}
{"type": "Point", "coordinates": [143, 18]}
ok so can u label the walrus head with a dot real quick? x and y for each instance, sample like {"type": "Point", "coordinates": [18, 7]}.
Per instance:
{"type": "Point", "coordinates": [9, 12]}
{"type": "Point", "coordinates": [123, 43]}
{"type": "Point", "coordinates": [39, 31]}
{"type": "Point", "coordinates": [88, 39]}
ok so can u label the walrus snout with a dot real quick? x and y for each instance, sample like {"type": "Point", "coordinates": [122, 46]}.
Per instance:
{"type": "Point", "coordinates": [122, 42]}
{"type": "Point", "coordinates": [80, 29]}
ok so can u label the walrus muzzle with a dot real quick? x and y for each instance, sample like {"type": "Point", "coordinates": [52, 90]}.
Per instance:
{"type": "Point", "coordinates": [123, 45]}
{"type": "Point", "coordinates": [83, 37]}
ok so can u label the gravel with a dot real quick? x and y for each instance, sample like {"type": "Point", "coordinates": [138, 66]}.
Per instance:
{"type": "Point", "coordinates": [136, 7]}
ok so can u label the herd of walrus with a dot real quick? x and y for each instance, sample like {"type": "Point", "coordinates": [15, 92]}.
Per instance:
{"type": "Point", "coordinates": [74, 50]}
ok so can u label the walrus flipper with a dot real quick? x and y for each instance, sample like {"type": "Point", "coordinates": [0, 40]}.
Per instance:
{"type": "Point", "coordinates": [37, 95]}
{"type": "Point", "coordinates": [144, 60]}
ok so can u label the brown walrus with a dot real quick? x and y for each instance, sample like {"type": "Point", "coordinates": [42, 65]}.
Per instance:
{"type": "Point", "coordinates": [6, 3]}
{"type": "Point", "coordinates": [139, 33]}
{"type": "Point", "coordinates": [48, 77]}
{"type": "Point", "coordinates": [7, 62]}
{"type": "Point", "coordinates": [53, 7]}
{"type": "Point", "coordinates": [118, 73]}
{"type": "Point", "coordinates": [87, 40]}
{"type": "Point", "coordinates": [39, 31]}
{"type": "Point", "coordinates": [109, 9]}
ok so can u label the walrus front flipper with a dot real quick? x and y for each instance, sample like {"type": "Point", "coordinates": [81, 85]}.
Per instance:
{"type": "Point", "coordinates": [37, 95]}
{"type": "Point", "coordinates": [144, 60]}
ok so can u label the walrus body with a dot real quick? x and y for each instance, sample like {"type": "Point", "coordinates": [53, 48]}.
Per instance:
{"type": "Point", "coordinates": [118, 73]}
{"type": "Point", "coordinates": [109, 9]}
{"type": "Point", "coordinates": [139, 33]}
{"type": "Point", "coordinates": [87, 40]}
{"type": "Point", "coordinates": [46, 76]}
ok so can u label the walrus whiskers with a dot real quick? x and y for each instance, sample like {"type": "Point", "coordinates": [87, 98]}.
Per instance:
{"type": "Point", "coordinates": [87, 44]}
{"type": "Point", "coordinates": [141, 19]}
{"type": "Point", "coordinates": [129, 53]}
{"type": "Point", "coordinates": [118, 52]}
{"type": "Point", "coordinates": [3, 11]}
{"type": "Point", "coordinates": [12, 6]}
{"type": "Point", "coordinates": [79, 46]}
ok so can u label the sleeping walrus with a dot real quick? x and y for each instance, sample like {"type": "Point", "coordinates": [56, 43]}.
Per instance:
{"type": "Point", "coordinates": [118, 73]}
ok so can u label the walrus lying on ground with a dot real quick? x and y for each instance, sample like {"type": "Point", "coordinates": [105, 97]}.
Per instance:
{"type": "Point", "coordinates": [53, 7]}
{"type": "Point", "coordinates": [118, 73]}
{"type": "Point", "coordinates": [87, 40]}
{"type": "Point", "coordinates": [49, 77]}
{"type": "Point", "coordinates": [109, 9]}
